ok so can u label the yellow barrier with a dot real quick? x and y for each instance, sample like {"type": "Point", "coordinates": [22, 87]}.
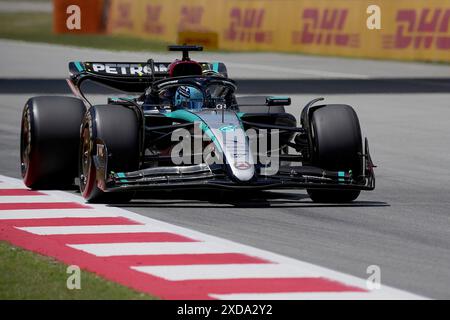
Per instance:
{"type": "Point", "coordinates": [410, 29]}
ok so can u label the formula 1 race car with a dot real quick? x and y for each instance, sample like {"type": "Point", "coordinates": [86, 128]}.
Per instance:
{"type": "Point", "coordinates": [185, 127]}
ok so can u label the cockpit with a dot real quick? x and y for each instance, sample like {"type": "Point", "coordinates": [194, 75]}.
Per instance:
{"type": "Point", "coordinates": [191, 93]}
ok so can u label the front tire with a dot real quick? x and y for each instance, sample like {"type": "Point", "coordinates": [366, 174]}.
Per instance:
{"type": "Point", "coordinates": [117, 128]}
{"type": "Point", "coordinates": [337, 146]}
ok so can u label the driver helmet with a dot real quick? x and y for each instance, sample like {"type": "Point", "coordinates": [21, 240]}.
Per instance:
{"type": "Point", "coordinates": [187, 97]}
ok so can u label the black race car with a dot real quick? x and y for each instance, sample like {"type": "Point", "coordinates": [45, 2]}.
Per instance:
{"type": "Point", "coordinates": [184, 127]}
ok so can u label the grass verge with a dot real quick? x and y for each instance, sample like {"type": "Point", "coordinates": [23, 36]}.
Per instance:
{"type": "Point", "coordinates": [26, 275]}
{"type": "Point", "coordinates": [37, 27]}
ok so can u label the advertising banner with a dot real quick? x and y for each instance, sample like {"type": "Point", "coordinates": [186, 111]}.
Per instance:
{"type": "Point", "coordinates": [407, 29]}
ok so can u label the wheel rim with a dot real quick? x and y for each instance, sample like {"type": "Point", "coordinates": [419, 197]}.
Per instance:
{"type": "Point", "coordinates": [25, 142]}
{"type": "Point", "coordinates": [85, 158]}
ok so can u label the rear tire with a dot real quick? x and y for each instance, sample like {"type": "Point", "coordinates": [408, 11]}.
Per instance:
{"type": "Point", "coordinates": [49, 140]}
{"type": "Point", "coordinates": [118, 128]}
{"type": "Point", "coordinates": [337, 146]}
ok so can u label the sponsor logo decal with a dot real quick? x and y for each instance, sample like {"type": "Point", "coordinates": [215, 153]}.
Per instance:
{"type": "Point", "coordinates": [325, 27]}
{"type": "Point", "coordinates": [153, 23]}
{"type": "Point", "coordinates": [124, 69]}
{"type": "Point", "coordinates": [124, 19]}
{"type": "Point", "coordinates": [246, 25]}
{"type": "Point", "coordinates": [191, 18]}
{"type": "Point", "coordinates": [419, 29]}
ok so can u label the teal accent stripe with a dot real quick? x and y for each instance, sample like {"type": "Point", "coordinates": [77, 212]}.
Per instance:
{"type": "Point", "coordinates": [122, 175]}
{"type": "Point", "coordinates": [183, 115]}
{"type": "Point", "coordinates": [341, 175]}
{"type": "Point", "coordinates": [79, 66]}
{"type": "Point", "coordinates": [215, 66]}
{"type": "Point", "coordinates": [191, 117]}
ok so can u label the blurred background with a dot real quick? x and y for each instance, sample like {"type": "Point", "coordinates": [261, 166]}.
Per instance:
{"type": "Point", "coordinates": [383, 29]}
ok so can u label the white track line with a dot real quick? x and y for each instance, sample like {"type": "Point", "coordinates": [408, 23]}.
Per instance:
{"type": "Point", "coordinates": [372, 295]}
{"type": "Point", "coordinates": [44, 213]}
{"type": "Point", "coordinates": [225, 271]}
{"type": "Point", "coordinates": [8, 186]}
{"type": "Point", "coordinates": [213, 244]}
{"type": "Point", "coordinates": [29, 199]}
{"type": "Point", "coordinates": [152, 248]}
{"type": "Point", "coordinates": [90, 229]}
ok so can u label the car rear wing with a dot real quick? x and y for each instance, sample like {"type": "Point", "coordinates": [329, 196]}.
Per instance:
{"type": "Point", "coordinates": [128, 76]}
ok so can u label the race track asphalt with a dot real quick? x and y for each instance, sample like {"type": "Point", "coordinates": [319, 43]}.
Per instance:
{"type": "Point", "coordinates": [403, 226]}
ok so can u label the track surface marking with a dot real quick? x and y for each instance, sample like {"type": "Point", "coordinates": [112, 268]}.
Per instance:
{"type": "Point", "coordinates": [160, 258]}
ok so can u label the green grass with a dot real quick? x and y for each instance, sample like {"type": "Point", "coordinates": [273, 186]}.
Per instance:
{"type": "Point", "coordinates": [26, 275]}
{"type": "Point", "coordinates": [37, 27]}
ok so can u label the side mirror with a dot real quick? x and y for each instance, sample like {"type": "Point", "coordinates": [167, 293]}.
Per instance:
{"type": "Point", "coordinates": [278, 101]}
